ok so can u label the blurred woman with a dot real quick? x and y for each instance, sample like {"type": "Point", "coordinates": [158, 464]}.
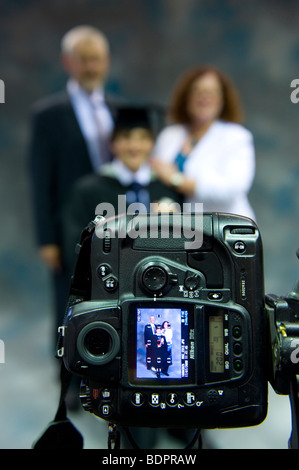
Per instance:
{"type": "Point", "coordinates": [206, 154]}
{"type": "Point", "coordinates": [167, 332]}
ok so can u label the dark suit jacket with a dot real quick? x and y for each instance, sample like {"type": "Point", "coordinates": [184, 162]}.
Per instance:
{"type": "Point", "coordinates": [58, 157]}
{"type": "Point", "coordinates": [148, 334]}
{"type": "Point", "coordinates": [90, 191]}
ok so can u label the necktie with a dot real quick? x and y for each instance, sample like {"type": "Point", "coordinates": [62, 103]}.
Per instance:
{"type": "Point", "coordinates": [138, 193]}
{"type": "Point", "coordinates": [104, 125]}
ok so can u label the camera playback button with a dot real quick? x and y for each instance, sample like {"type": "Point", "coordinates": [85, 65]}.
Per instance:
{"type": "Point", "coordinates": [137, 399]}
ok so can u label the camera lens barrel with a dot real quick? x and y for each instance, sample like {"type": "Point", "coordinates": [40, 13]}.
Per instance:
{"type": "Point", "coordinates": [98, 343]}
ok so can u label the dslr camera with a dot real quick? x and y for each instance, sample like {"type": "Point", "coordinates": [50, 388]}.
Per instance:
{"type": "Point", "coordinates": [168, 333]}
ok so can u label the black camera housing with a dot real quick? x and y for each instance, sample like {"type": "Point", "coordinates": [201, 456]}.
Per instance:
{"type": "Point", "coordinates": [213, 298]}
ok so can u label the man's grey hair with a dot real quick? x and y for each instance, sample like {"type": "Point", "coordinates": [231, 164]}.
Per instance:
{"type": "Point", "coordinates": [79, 33]}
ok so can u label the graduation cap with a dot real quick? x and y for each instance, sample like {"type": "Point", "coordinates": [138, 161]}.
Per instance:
{"type": "Point", "coordinates": [130, 117]}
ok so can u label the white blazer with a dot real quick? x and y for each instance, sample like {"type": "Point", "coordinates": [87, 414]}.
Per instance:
{"type": "Point", "coordinates": [222, 163]}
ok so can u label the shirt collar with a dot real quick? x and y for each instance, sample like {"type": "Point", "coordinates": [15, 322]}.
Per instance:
{"type": "Point", "coordinates": [76, 91]}
{"type": "Point", "coordinates": [127, 177]}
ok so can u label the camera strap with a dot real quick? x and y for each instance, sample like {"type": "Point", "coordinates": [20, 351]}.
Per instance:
{"type": "Point", "coordinates": [294, 400]}
{"type": "Point", "coordinates": [61, 433]}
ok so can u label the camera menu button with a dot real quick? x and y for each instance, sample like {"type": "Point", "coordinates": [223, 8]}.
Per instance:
{"type": "Point", "coordinates": [155, 399]}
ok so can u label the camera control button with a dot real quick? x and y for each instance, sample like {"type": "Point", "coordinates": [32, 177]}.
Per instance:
{"type": "Point", "coordinates": [110, 283]}
{"type": "Point", "coordinates": [192, 281]}
{"type": "Point", "coordinates": [154, 278]}
{"type": "Point", "coordinates": [240, 247]}
{"type": "Point", "coordinates": [215, 295]}
{"type": "Point", "coordinates": [155, 399]}
{"type": "Point", "coordinates": [172, 399]}
{"type": "Point", "coordinates": [104, 270]}
{"type": "Point", "coordinates": [137, 399]}
{"type": "Point", "coordinates": [105, 409]}
{"type": "Point", "coordinates": [237, 332]}
{"type": "Point", "coordinates": [189, 398]}
{"type": "Point", "coordinates": [106, 394]}
{"type": "Point", "coordinates": [238, 365]}
{"type": "Point", "coordinates": [237, 348]}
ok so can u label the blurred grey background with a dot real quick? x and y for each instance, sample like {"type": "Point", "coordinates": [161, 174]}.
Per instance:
{"type": "Point", "coordinates": [152, 42]}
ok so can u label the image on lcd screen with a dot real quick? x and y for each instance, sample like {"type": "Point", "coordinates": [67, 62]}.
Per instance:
{"type": "Point", "coordinates": [162, 343]}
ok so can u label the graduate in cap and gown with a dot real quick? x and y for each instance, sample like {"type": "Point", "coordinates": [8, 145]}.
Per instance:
{"type": "Point", "coordinates": [129, 174]}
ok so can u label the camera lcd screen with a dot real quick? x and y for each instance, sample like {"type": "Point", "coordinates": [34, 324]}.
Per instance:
{"type": "Point", "coordinates": [164, 344]}
{"type": "Point", "coordinates": [216, 343]}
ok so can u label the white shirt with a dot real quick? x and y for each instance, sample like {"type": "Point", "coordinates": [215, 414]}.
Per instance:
{"type": "Point", "coordinates": [126, 177]}
{"type": "Point", "coordinates": [94, 119]}
{"type": "Point", "coordinates": [222, 163]}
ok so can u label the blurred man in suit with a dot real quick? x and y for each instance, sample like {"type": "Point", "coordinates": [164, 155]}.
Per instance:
{"type": "Point", "coordinates": [70, 131]}
{"type": "Point", "coordinates": [149, 332]}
